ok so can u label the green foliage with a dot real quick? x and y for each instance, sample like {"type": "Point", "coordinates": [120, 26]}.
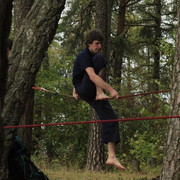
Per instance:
{"type": "Point", "coordinates": [78, 19]}
{"type": "Point", "coordinates": [64, 144]}
{"type": "Point", "coordinates": [146, 148]}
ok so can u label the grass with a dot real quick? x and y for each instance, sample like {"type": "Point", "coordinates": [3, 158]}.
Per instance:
{"type": "Point", "coordinates": [62, 173]}
{"type": "Point", "coordinates": [56, 172]}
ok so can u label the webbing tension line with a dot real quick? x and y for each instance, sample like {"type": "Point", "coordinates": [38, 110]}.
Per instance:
{"type": "Point", "coordinates": [120, 97]}
{"type": "Point", "coordinates": [97, 121]}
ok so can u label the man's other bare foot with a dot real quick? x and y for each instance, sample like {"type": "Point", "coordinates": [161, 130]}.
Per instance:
{"type": "Point", "coordinates": [101, 96]}
{"type": "Point", "coordinates": [114, 162]}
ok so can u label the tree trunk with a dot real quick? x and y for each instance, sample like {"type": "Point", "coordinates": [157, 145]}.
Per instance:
{"type": "Point", "coordinates": [171, 165]}
{"type": "Point", "coordinates": [118, 59]}
{"type": "Point", "coordinates": [156, 54]}
{"type": "Point", "coordinates": [157, 39]}
{"type": "Point", "coordinates": [30, 44]}
{"type": "Point", "coordinates": [19, 16]}
{"type": "Point", "coordinates": [103, 22]}
{"type": "Point", "coordinates": [25, 134]}
{"type": "Point", "coordinates": [5, 24]}
{"type": "Point", "coordinates": [95, 157]}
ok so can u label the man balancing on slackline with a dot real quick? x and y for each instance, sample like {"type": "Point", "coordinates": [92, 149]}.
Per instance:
{"type": "Point", "coordinates": [89, 86]}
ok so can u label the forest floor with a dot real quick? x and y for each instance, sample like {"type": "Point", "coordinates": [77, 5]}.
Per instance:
{"type": "Point", "coordinates": [70, 174]}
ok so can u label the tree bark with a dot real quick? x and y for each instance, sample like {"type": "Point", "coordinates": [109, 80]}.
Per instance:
{"type": "Point", "coordinates": [5, 24]}
{"type": "Point", "coordinates": [103, 22]}
{"type": "Point", "coordinates": [156, 54]}
{"type": "Point", "coordinates": [19, 16]}
{"type": "Point", "coordinates": [30, 44]}
{"type": "Point", "coordinates": [171, 164]}
{"type": "Point", "coordinates": [95, 157]}
{"type": "Point", "coordinates": [157, 39]}
{"type": "Point", "coordinates": [25, 134]}
{"type": "Point", "coordinates": [118, 59]}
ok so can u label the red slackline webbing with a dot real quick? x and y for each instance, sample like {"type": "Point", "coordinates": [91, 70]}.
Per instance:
{"type": "Point", "coordinates": [141, 94]}
{"type": "Point", "coordinates": [120, 97]}
{"type": "Point", "coordinates": [98, 121]}
{"type": "Point", "coordinates": [46, 90]}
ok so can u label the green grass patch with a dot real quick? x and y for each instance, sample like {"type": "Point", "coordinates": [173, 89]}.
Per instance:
{"type": "Point", "coordinates": [74, 174]}
{"type": "Point", "coordinates": [57, 172]}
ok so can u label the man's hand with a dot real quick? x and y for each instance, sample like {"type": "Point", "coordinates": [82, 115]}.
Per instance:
{"type": "Point", "coordinates": [114, 94]}
{"type": "Point", "coordinates": [75, 95]}
{"type": "Point", "coordinates": [98, 81]}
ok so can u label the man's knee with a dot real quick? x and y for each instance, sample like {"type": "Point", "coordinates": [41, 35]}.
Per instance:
{"type": "Point", "coordinates": [99, 63]}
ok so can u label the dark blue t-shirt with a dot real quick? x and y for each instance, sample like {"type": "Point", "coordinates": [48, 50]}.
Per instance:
{"type": "Point", "coordinates": [83, 60]}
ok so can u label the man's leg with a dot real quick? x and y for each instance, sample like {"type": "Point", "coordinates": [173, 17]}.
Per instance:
{"type": "Point", "coordinates": [99, 66]}
{"type": "Point", "coordinates": [112, 160]}
{"type": "Point", "coordinates": [87, 89]}
{"type": "Point", "coordinates": [99, 91]}
{"type": "Point", "coordinates": [110, 130]}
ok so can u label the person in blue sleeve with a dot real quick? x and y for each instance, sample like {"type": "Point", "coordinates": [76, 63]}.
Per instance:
{"type": "Point", "coordinates": [89, 86]}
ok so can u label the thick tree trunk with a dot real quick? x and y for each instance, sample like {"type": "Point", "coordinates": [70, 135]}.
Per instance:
{"type": "Point", "coordinates": [25, 134]}
{"type": "Point", "coordinates": [21, 9]}
{"type": "Point", "coordinates": [5, 24]}
{"type": "Point", "coordinates": [95, 157]}
{"type": "Point", "coordinates": [171, 166]}
{"type": "Point", "coordinates": [30, 45]}
{"type": "Point", "coordinates": [103, 22]}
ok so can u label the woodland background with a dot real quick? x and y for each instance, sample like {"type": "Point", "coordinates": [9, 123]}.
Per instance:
{"type": "Point", "coordinates": [140, 50]}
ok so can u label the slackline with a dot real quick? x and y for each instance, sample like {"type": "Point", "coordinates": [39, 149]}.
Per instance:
{"type": "Point", "coordinates": [97, 121]}
{"type": "Point", "coordinates": [120, 97]}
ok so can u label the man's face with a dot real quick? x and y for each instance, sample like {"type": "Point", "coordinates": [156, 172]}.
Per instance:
{"type": "Point", "coordinates": [95, 46]}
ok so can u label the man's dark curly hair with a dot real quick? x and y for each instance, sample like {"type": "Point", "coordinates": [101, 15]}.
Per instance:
{"type": "Point", "coordinates": [93, 35]}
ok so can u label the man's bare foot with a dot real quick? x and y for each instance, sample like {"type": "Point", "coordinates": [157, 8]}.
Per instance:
{"type": "Point", "coordinates": [101, 96]}
{"type": "Point", "coordinates": [116, 163]}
